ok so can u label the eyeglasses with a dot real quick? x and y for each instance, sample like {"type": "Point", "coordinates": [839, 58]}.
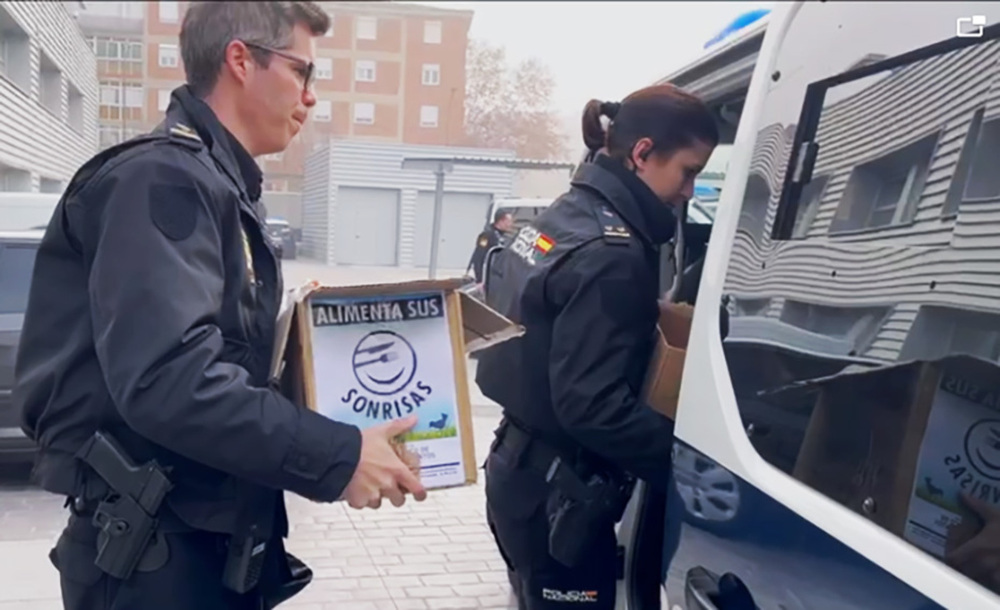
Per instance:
{"type": "Point", "coordinates": [305, 69]}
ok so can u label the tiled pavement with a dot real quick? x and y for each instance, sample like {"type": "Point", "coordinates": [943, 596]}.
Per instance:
{"type": "Point", "coordinates": [435, 554]}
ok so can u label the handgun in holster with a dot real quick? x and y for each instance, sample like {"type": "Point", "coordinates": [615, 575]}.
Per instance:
{"type": "Point", "coordinates": [126, 518]}
{"type": "Point", "coordinates": [577, 508]}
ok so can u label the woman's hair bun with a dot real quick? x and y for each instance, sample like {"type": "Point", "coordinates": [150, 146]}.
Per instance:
{"type": "Point", "coordinates": [610, 109]}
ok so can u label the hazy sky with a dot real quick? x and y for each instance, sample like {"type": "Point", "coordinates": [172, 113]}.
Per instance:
{"type": "Point", "coordinates": [601, 50]}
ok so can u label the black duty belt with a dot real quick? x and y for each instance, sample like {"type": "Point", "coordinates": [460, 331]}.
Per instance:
{"type": "Point", "coordinates": [556, 467]}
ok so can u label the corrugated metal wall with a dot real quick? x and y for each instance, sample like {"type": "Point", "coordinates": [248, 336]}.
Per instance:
{"type": "Point", "coordinates": [316, 212]}
{"type": "Point", "coordinates": [936, 97]}
{"type": "Point", "coordinates": [32, 138]}
{"type": "Point", "coordinates": [377, 165]}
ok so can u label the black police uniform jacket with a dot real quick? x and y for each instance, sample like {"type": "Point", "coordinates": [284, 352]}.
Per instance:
{"type": "Point", "coordinates": [486, 241]}
{"type": "Point", "coordinates": [583, 281]}
{"type": "Point", "coordinates": [151, 316]}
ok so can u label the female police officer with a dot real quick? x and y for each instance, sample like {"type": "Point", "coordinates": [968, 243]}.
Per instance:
{"type": "Point", "coordinates": [583, 281]}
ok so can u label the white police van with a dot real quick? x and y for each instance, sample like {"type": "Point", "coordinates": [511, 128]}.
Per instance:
{"type": "Point", "coordinates": [840, 447]}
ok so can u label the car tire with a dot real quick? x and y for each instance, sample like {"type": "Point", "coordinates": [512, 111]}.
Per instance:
{"type": "Point", "coordinates": [714, 499]}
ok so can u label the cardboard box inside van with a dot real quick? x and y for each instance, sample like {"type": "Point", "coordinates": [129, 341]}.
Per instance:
{"type": "Point", "coordinates": [899, 444]}
{"type": "Point", "coordinates": [666, 367]}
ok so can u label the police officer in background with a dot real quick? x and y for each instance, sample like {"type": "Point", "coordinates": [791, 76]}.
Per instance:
{"type": "Point", "coordinates": [487, 240]}
{"type": "Point", "coordinates": [583, 281]}
{"type": "Point", "coordinates": [151, 322]}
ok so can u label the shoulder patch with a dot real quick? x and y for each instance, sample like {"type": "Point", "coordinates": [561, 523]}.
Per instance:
{"type": "Point", "coordinates": [174, 210]}
{"type": "Point", "coordinates": [483, 241]}
{"type": "Point", "coordinates": [183, 134]}
{"type": "Point", "coordinates": [613, 228]}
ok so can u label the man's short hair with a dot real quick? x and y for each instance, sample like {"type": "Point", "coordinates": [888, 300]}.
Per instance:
{"type": "Point", "coordinates": [500, 215]}
{"type": "Point", "coordinates": [209, 27]}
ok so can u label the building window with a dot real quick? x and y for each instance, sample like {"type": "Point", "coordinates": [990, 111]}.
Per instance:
{"type": "Point", "coordinates": [115, 9]}
{"type": "Point", "coordinates": [169, 12]}
{"type": "Point", "coordinates": [121, 101]}
{"type": "Point", "coordinates": [324, 68]}
{"type": "Point", "coordinates": [50, 84]}
{"type": "Point", "coordinates": [13, 179]}
{"type": "Point", "coordinates": [367, 28]}
{"type": "Point", "coordinates": [49, 185]}
{"type": "Point", "coordinates": [432, 32]}
{"type": "Point", "coordinates": [364, 71]}
{"type": "Point", "coordinates": [428, 116]}
{"type": "Point", "coordinates": [162, 99]}
{"type": "Point", "coordinates": [983, 181]}
{"type": "Point", "coordinates": [432, 74]}
{"type": "Point", "coordinates": [116, 48]}
{"type": "Point", "coordinates": [886, 190]}
{"type": "Point", "coordinates": [323, 111]}
{"type": "Point", "coordinates": [364, 113]}
{"type": "Point", "coordinates": [15, 52]}
{"type": "Point", "coordinates": [74, 107]}
{"type": "Point", "coordinates": [117, 56]}
{"type": "Point", "coordinates": [108, 135]}
{"type": "Point", "coordinates": [111, 94]}
{"type": "Point", "coordinates": [168, 56]}
{"type": "Point", "coordinates": [133, 95]}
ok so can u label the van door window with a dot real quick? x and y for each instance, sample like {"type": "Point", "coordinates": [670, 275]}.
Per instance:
{"type": "Point", "coordinates": [864, 298]}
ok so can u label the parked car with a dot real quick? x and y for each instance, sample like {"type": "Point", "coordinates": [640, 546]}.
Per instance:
{"type": "Point", "coordinates": [283, 237]}
{"type": "Point", "coordinates": [17, 260]}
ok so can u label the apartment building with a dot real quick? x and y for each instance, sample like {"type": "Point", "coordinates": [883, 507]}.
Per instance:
{"type": "Point", "coordinates": [385, 71]}
{"type": "Point", "coordinates": [48, 97]}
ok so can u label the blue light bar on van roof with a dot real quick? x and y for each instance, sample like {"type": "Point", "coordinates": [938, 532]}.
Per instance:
{"type": "Point", "coordinates": [737, 24]}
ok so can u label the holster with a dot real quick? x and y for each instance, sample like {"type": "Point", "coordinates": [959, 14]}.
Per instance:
{"type": "Point", "coordinates": [582, 496]}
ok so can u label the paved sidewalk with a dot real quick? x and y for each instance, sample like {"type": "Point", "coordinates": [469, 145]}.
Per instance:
{"type": "Point", "coordinates": [435, 554]}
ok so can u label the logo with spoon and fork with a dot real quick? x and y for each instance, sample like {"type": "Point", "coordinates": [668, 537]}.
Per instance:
{"type": "Point", "coordinates": [384, 362]}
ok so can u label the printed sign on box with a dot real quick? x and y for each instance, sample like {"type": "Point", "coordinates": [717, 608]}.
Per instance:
{"type": "Point", "coordinates": [383, 358]}
{"type": "Point", "coordinates": [368, 354]}
{"type": "Point", "coordinates": [960, 453]}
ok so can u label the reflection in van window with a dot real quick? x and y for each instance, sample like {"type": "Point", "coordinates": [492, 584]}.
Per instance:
{"type": "Point", "coordinates": [864, 344]}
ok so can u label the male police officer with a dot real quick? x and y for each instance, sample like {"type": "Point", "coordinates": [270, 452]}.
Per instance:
{"type": "Point", "coordinates": [583, 281]}
{"type": "Point", "coordinates": [149, 334]}
{"type": "Point", "coordinates": [489, 239]}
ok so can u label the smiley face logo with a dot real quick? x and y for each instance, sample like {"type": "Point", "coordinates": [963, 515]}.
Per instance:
{"type": "Point", "coordinates": [982, 447]}
{"type": "Point", "coordinates": [384, 362]}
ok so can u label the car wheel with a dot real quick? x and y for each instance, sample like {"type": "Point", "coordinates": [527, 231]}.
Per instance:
{"type": "Point", "coordinates": [711, 494]}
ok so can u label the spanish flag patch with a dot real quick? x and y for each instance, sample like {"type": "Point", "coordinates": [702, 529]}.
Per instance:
{"type": "Point", "coordinates": [544, 244]}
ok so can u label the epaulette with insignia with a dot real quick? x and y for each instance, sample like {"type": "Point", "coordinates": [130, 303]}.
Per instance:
{"type": "Point", "coordinates": [615, 231]}
{"type": "Point", "coordinates": [185, 135]}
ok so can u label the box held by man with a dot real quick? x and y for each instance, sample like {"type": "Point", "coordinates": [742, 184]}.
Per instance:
{"type": "Point", "coordinates": [368, 354]}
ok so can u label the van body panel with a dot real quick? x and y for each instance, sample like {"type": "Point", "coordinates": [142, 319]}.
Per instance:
{"type": "Point", "coordinates": [857, 249]}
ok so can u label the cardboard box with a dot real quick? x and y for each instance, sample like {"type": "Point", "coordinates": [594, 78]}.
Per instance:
{"type": "Point", "coordinates": [666, 366]}
{"type": "Point", "coordinates": [899, 444]}
{"type": "Point", "coordinates": [369, 354]}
